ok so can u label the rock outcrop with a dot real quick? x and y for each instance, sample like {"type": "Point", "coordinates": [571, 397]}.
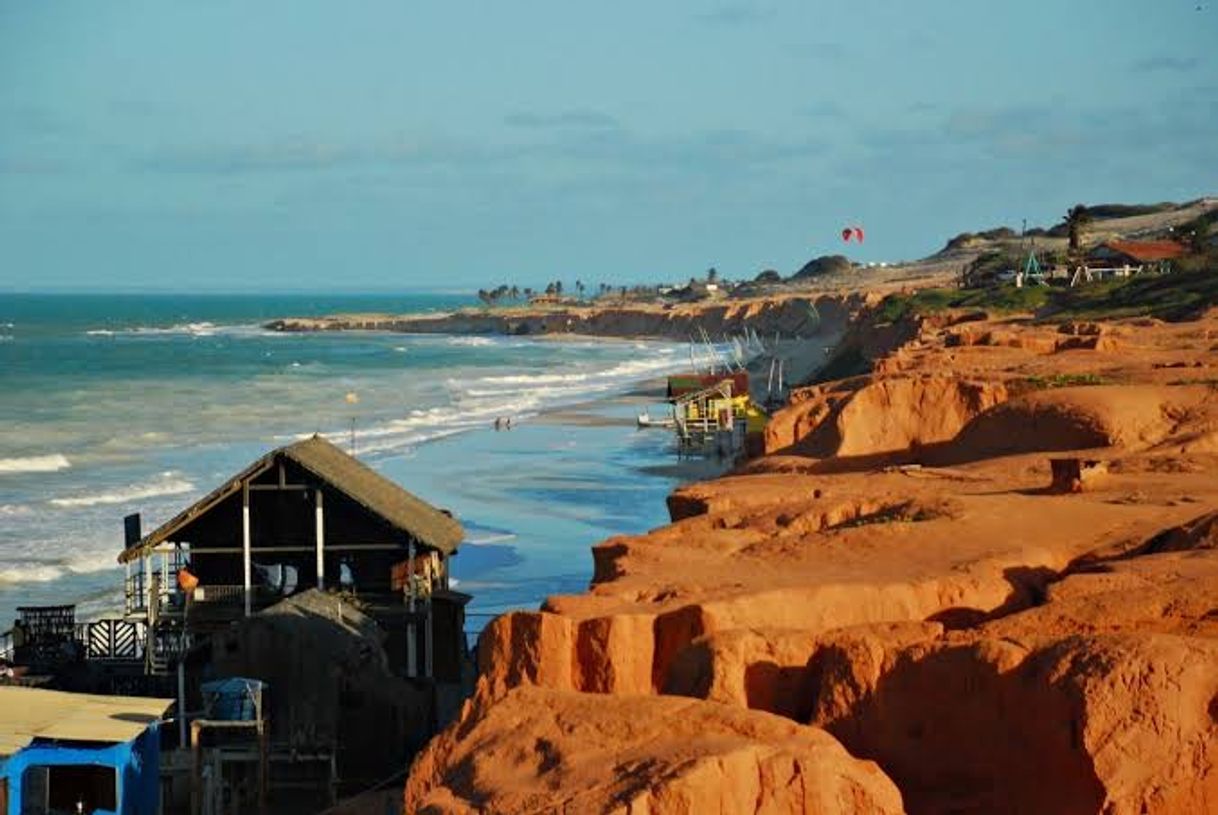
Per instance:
{"type": "Point", "coordinates": [902, 578]}
{"type": "Point", "coordinates": [539, 750]}
{"type": "Point", "coordinates": [789, 316]}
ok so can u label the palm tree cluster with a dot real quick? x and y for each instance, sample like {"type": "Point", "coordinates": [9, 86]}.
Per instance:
{"type": "Point", "coordinates": [1077, 218]}
{"type": "Point", "coordinates": [505, 294]}
{"type": "Point", "coordinates": [493, 297]}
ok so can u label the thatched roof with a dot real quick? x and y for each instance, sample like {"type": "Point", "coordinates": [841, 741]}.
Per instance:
{"type": "Point", "coordinates": [341, 472]}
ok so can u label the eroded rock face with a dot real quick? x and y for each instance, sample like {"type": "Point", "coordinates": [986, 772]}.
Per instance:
{"type": "Point", "coordinates": [1102, 698]}
{"type": "Point", "coordinates": [1080, 418]}
{"type": "Point", "coordinates": [789, 315]}
{"type": "Point", "coordinates": [1119, 723]}
{"type": "Point", "coordinates": [537, 750]}
{"type": "Point", "coordinates": [904, 578]}
{"type": "Point", "coordinates": [884, 415]}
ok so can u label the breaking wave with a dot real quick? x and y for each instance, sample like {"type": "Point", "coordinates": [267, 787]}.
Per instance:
{"type": "Point", "coordinates": [46, 571]}
{"type": "Point", "coordinates": [199, 329]}
{"type": "Point", "coordinates": [476, 402]}
{"type": "Point", "coordinates": [34, 464]}
{"type": "Point", "coordinates": [473, 342]}
{"type": "Point", "coordinates": [170, 483]}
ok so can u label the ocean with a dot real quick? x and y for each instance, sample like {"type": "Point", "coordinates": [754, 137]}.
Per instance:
{"type": "Point", "coordinates": [115, 404]}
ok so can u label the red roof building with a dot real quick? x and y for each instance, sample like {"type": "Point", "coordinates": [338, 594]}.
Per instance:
{"type": "Point", "coordinates": [1136, 252]}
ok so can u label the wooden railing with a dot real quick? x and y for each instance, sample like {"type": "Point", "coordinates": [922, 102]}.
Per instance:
{"type": "Point", "coordinates": [219, 595]}
{"type": "Point", "coordinates": [113, 640]}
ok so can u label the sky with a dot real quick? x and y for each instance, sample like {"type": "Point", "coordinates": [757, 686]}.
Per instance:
{"type": "Point", "coordinates": [281, 145]}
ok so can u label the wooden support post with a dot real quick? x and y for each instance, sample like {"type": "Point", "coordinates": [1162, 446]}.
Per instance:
{"type": "Point", "coordinates": [333, 776]}
{"type": "Point", "coordinates": [148, 587]}
{"type": "Point", "coordinates": [245, 546]}
{"type": "Point", "coordinates": [196, 764]}
{"type": "Point", "coordinates": [427, 640]}
{"type": "Point", "coordinates": [182, 699]}
{"type": "Point", "coordinates": [412, 658]}
{"type": "Point", "coordinates": [264, 779]}
{"type": "Point", "coordinates": [320, 538]}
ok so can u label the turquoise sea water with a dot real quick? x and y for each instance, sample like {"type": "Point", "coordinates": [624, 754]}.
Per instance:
{"type": "Point", "coordinates": [118, 404]}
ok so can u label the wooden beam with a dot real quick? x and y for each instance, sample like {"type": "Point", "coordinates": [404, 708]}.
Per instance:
{"type": "Point", "coordinates": [320, 539]}
{"type": "Point", "coordinates": [278, 487]}
{"type": "Point", "coordinates": [412, 660]}
{"type": "Point", "coordinates": [245, 545]}
{"type": "Point", "coordinates": [354, 547]}
{"type": "Point", "coordinates": [148, 587]}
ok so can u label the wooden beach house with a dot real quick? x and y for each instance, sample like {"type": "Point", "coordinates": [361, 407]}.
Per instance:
{"type": "Point", "coordinates": [303, 516]}
{"type": "Point", "coordinates": [1135, 253]}
{"type": "Point", "coordinates": [314, 573]}
{"type": "Point", "coordinates": [1127, 258]}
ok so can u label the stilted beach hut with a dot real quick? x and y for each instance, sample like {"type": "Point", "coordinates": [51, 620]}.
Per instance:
{"type": "Point", "coordinates": [316, 574]}
{"type": "Point", "coordinates": [305, 516]}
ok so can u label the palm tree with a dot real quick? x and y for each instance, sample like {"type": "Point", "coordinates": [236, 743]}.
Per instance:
{"type": "Point", "coordinates": [712, 274]}
{"type": "Point", "coordinates": [579, 287]}
{"type": "Point", "coordinates": [514, 293]}
{"type": "Point", "coordinates": [1077, 218]}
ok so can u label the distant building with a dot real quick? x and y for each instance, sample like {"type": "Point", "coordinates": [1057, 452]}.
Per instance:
{"type": "Point", "coordinates": [697, 290]}
{"type": "Point", "coordinates": [550, 300]}
{"type": "Point", "coordinates": [1135, 253]}
{"type": "Point", "coordinates": [73, 752]}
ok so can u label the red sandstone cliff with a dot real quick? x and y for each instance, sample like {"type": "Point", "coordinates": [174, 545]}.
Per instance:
{"type": "Point", "coordinates": [901, 582]}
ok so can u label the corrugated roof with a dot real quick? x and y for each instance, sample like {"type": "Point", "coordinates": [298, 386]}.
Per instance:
{"type": "Point", "coordinates": [1147, 251]}
{"type": "Point", "coordinates": [342, 472]}
{"type": "Point", "coordinates": [32, 713]}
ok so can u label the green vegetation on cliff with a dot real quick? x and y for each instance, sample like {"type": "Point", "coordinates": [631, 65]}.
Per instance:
{"type": "Point", "coordinates": [1171, 297]}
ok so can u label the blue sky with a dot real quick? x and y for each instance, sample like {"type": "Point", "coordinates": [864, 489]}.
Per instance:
{"type": "Point", "coordinates": [235, 145]}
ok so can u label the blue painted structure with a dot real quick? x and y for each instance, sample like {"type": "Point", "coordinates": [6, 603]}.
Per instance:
{"type": "Point", "coordinates": [136, 762]}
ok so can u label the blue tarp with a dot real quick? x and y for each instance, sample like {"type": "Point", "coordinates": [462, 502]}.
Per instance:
{"type": "Point", "coordinates": [232, 699]}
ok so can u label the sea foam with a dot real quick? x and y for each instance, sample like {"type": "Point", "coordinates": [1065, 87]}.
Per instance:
{"type": "Point", "coordinates": [477, 402]}
{"type": "Point", "coordinates": [170, 483]}
{"type": "Point", "coordinates": [34, 464]}
{"type": "Point", "coordinates": [47, 571]}
{"type": "Point", "coordinates": [198, 329]}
